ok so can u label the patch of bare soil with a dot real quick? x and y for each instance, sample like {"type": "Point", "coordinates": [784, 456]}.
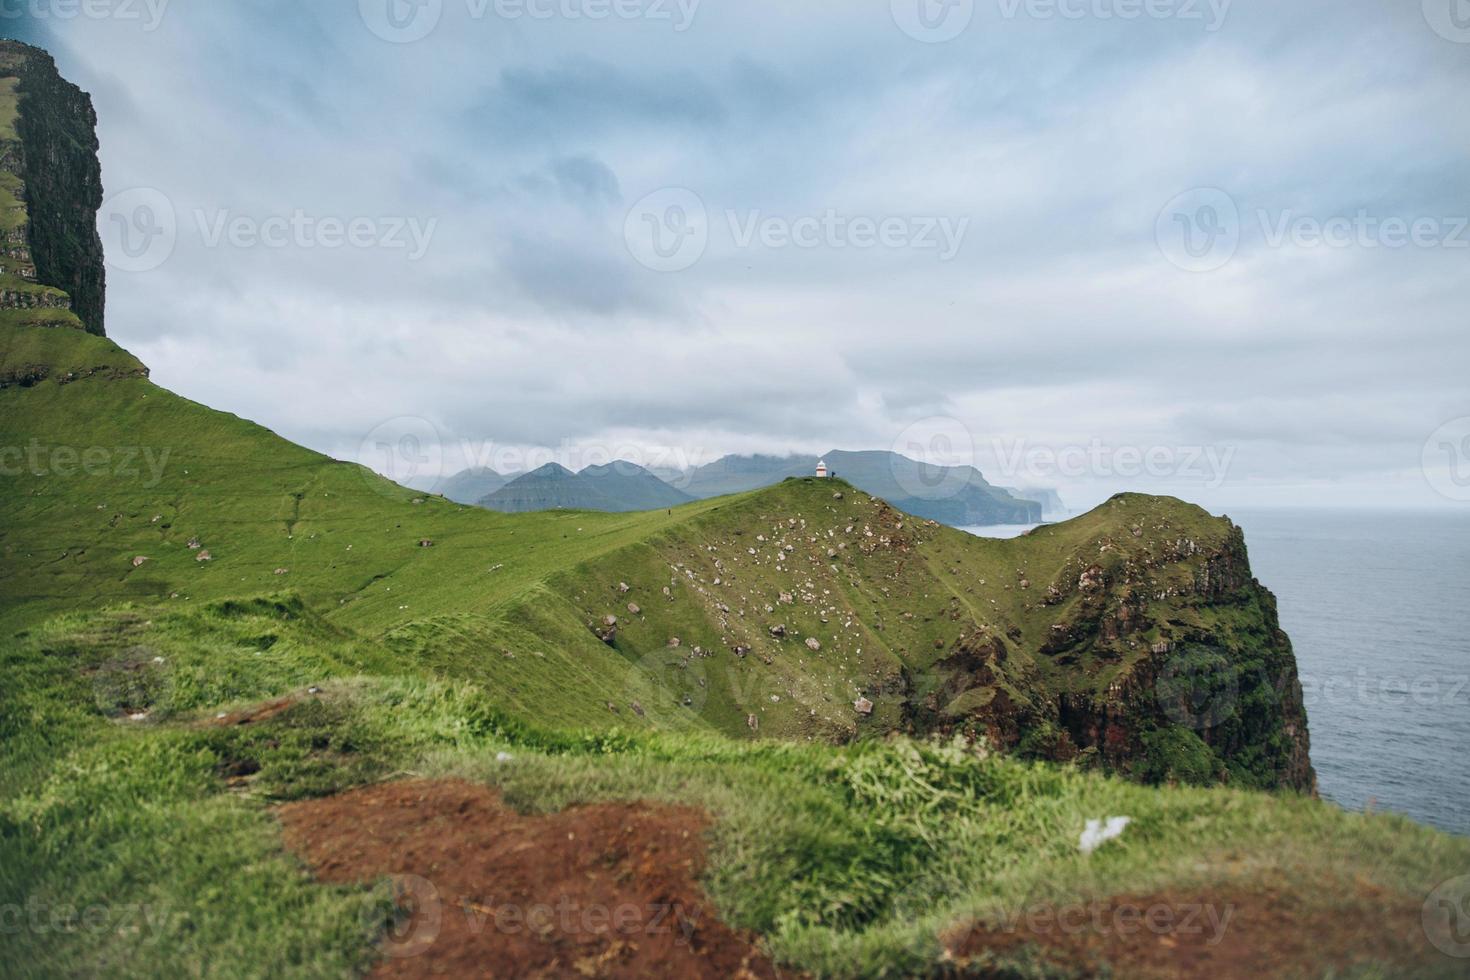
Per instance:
{"type": "Point", "coordinates": [257, 714]}
{"type": "Point", "coordinates": [1243, 935]}
{"type": "Point", "coordinates": [597, 891]}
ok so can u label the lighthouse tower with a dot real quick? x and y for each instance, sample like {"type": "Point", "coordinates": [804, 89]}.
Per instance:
{"type": "Point", "coordinates": [822, 470]}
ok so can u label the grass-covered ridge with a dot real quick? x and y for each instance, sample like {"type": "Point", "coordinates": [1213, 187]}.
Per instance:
{"type": "Point", "coordinates": [162, 564]}
{"type": "Point", "coordinates": [771, 614]}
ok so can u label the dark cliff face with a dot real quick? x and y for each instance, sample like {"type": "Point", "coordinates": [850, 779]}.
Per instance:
{"type": "Point", "coordinates": [57, 161]}
{"type": "Point", "coordinates": [1161, 658]}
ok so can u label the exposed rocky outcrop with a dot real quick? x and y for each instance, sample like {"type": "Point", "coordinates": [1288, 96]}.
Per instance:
{"type": "Point", "coordinates": [1188, 675]}
{"type": "Point", "coordinates": [53, 160]}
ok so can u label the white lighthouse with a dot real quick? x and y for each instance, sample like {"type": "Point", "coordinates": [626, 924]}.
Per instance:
{"type": "Point", "coordinates": [822, 470]}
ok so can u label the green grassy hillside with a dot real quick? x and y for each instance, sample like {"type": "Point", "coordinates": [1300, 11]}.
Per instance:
{"type": "Point", "coordinates": [163, 565]}
{"type": "Point", "coordinates": [769, 614]}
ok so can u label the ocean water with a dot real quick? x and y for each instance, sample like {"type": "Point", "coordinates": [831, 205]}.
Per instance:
{"type": "Point", "coordinates": [1377, 604]}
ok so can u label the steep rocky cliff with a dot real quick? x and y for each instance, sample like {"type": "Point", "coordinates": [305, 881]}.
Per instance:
{"type": "Point", "coordinates": [50, 189]}
{"type": "Point", "coordinates": [1160, 656]}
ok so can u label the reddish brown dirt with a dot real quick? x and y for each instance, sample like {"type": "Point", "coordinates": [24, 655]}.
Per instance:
{"type": "Point", "coordinates": [596, 891]}
{"type": "Point", "coordinates": [1236, 936]}
{"type": "Point", "coordinates": [256, 714]}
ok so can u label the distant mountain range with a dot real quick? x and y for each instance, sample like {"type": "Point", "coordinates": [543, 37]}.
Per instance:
{"type": "Point", "coordinates": [471, 485]}
{"type": "Point", "coordinates": [616, 487]}
{"type": "Point", "coordinates": [955, 495]}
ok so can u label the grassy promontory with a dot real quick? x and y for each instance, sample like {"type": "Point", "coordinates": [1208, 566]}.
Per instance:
{"type": "Point", "coordinates": [199, 621]}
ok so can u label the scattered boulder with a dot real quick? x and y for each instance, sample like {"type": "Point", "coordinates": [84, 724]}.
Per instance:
{"type": "Point", "coordinates": [426, 543]}
{"type": "Point", "coordinates": [623, 587]}
{"type": "Point", "coordinates": [283, 571]}
{"type": "Point", "coordinates": [637, 709]}
{"type": "Point", "coordinates": [863, 706]}
{"type": "Point", "coordinates": [194, 544]}
{"type": "Point", "coordinates": [753, 723]}
{"type": "Point", "coordinates": [674, 642]}
{"type": "Point", "coordinates": [634, 608]}
{"type": "Point", "coordinates": [813, 644]}
{"type": "Point", "coordinates": [607, 630]}
{"type": "Point", "coordinates": [138, 561]}
{"type": "Point", "coordinates": [778, 631]}
{"type": "Point", "coordinates": [204, 556]}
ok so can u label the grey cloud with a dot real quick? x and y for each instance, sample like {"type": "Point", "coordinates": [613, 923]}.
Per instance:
{"type": "Point", "coordinates": [528, 320]}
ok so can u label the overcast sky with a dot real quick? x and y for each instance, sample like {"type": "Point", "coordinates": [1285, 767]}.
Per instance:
{"type": "Point", "coordinates": [1215, 250]}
